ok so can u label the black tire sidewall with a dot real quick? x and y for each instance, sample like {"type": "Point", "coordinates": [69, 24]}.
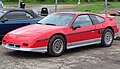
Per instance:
{"type": "Point", "coordinates": [50, 45]}
{"type": "Point", "coordinates": [103, 43]}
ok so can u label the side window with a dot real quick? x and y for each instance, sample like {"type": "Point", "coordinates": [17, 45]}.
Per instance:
{"type": "Point", "coordinates": [97, 19]}
{"type": "Point", "coordinates": [100, 19]}
{"type": "Point", "coordinates": [29, 16]}
{"type": "Point", "coordinates": [17, 15]}
{"type": "Point", "coordinates": [83, 20]}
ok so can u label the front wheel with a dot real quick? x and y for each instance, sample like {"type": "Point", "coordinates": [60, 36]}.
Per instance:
{"type": "Point", "coordinates": [56, 46]}
{"type": "Point", "coordinates": [107, 38]}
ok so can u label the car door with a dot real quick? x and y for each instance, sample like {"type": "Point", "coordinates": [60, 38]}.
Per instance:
{"type": "Point", "coordinates": [84, 35]}
{"type": "Point", "coordinates": [98, 22]}
{"type": "Point", "coordinates": [11, 21]}
{"type": "Point", "coordinates": [31, 19]}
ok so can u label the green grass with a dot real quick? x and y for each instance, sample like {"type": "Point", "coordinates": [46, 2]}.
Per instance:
{"type": "Point", "coordinates": [114, 5]}
{"type": "Point", "coordinates": [10, 3]}
{"type": "Point", "coordinates": [97, 7]}
{"type": "Point", "coordinates": [30, 2]}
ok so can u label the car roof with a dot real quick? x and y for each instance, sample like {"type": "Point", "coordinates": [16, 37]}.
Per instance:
{"type": "Point", "coordinates": [77, 13]}
{"type": "Point", "coordinates": [19, 9]}
{"type": "Point", "coordinates": [11, 9]}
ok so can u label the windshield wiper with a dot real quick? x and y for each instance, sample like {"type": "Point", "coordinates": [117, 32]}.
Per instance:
{"type": "Point", "coordinates": [50, 24]}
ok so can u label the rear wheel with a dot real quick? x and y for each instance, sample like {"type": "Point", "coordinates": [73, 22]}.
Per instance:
{"type": "Point", "coordinates": [107, 38]}
{"type": "Point", "coordinates": [56, 45]}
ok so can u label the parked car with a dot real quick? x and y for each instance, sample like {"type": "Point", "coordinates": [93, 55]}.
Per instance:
{"type": "Point", "coordinates": [64, 30]}
{"type": "Point", "coordinates": [115, 13]}
{"type": "Point", "coordinates": [11, 19]}
{"type": "Point", "coordinates": [118, 13]}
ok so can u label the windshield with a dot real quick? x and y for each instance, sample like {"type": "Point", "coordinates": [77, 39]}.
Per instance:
{"type": "Point", "coordinates": [1, 14]}
{"type": "Point", "coordinates": [59, 19]}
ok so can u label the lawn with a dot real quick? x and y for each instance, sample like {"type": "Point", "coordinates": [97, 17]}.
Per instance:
{"type": "Point", "coordinates": [97, 7]}
{"type": "Point", "coordinates": [28, 2]}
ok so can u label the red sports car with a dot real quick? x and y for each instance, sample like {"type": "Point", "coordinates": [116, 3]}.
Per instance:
{"type": "Point", "coordinates": [63, 30]}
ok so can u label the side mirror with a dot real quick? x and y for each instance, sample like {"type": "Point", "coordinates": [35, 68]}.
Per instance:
{"type": "Point", "coordinates": [4, 20]}
{"type": "Point", "coordinates": [76, 26]}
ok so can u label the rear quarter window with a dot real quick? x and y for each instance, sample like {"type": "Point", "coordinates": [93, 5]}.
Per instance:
{"type": "Point", "coordinates": [100, 19]}
{"type": "Point", "coordinates": [97, 19]}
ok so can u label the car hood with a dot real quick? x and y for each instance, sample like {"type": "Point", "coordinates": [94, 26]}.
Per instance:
{"type": "Point", "coordinates": [35, 29]}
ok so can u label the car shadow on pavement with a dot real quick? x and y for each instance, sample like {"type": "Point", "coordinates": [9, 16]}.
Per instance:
{"type": "Point", "coordinates": [28, 55]}
{"type": "Point", "coordinates": [33, 55]}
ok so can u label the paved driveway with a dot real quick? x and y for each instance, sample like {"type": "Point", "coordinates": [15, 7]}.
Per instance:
{"type": "Point", "coordinates": [89, 57]}
{"type": "Point", "coordinates": [51, 8]}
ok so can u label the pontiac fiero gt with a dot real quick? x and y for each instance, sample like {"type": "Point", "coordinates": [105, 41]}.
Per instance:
{"type": "Point", "coordinates": [63, 30]}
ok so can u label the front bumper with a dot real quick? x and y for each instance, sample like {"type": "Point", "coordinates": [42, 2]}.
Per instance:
{"type": "Point", "coordinates": [41, 49]}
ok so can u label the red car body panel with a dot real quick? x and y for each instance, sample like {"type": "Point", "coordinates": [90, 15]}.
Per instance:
{"type": "Point", "coordinates": [38, 35]}
{"type": "Point", "coordinates": [26, 37]}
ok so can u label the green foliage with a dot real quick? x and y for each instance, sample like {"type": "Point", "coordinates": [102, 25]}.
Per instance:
{"type": "Point", "coordinates": [9, 0]}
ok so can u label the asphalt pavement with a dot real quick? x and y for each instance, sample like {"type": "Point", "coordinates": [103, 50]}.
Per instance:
{"type": "Point", "coordinates": [89, 57]}
{"type": "Point", "coordinates": [51, 8]}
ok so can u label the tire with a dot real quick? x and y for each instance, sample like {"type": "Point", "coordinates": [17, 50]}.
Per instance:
{"type": "Point", "coordinates": [107, 38]}
{"type": "Point", "coordinates": [56, 46]}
